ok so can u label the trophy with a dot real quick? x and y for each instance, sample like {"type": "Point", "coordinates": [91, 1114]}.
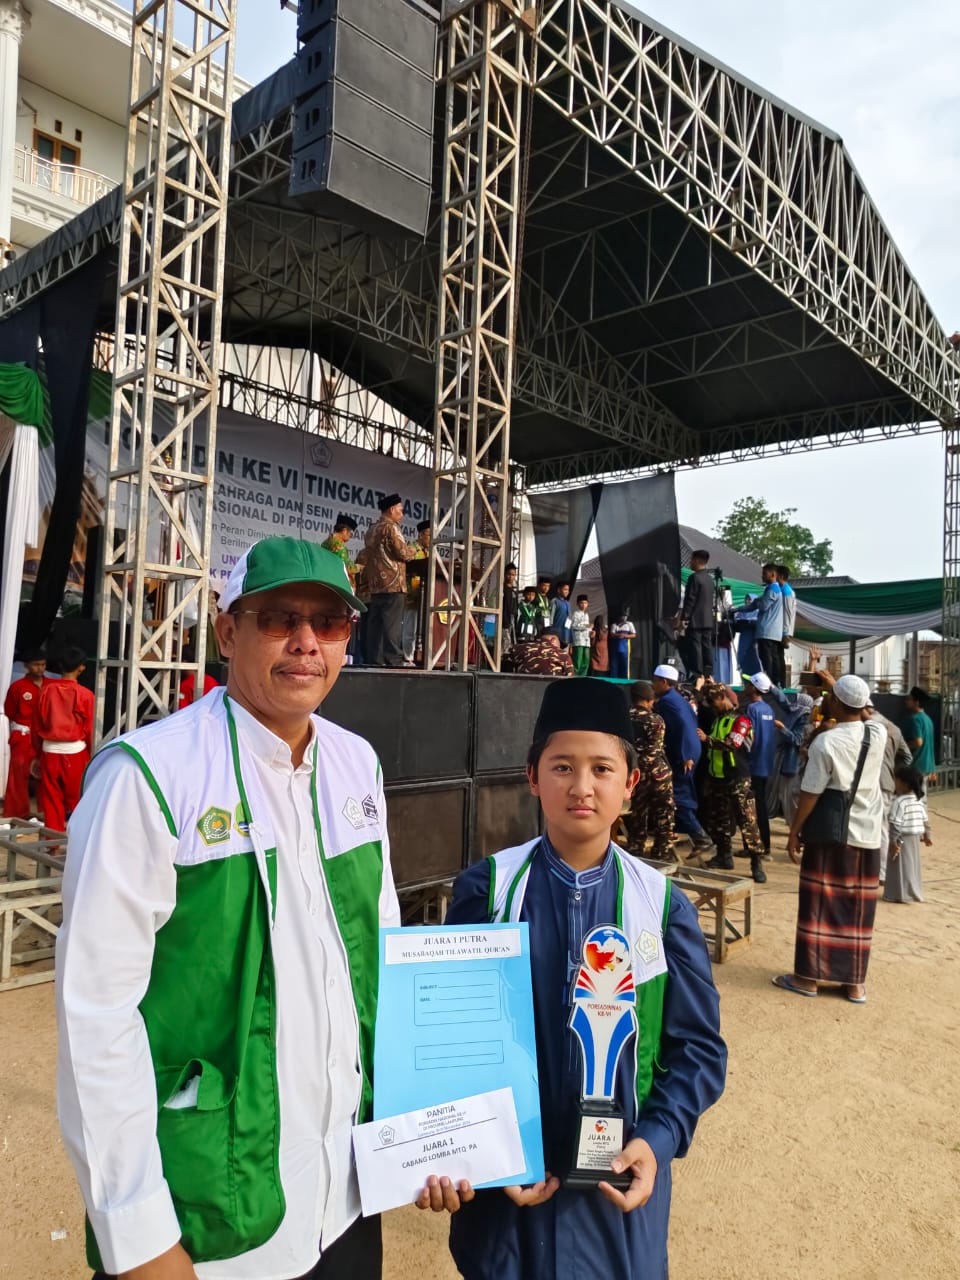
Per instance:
{"type": "Point", "coordinates": [603, 1017]}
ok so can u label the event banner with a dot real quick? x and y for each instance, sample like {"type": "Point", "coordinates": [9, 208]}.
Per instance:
{"type": "Point", "coordinates": [272, 480]}
{"type": "Point", "coordinates": [269, 479]}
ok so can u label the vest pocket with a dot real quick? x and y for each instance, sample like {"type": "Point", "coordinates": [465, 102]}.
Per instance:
{"type": "Point", "coordinates": [195, 1129]}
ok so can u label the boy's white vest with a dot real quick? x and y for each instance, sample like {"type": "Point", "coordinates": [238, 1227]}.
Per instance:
{"type": "Point", "coordinates": [643, 904]}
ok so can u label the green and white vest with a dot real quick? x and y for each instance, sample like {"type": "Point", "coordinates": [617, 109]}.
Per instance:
{"type": "Point", "coordinates": [643, 905]}
{"type": "Point", "coordinates": [210, 1007]}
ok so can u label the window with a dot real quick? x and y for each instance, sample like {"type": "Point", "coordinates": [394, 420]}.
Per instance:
{"type": "Point", "coordinates": [57, 160]}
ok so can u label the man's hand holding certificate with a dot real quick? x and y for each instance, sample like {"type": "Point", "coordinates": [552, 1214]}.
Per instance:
{"type": "Point", "coordinates": [455, 1068]}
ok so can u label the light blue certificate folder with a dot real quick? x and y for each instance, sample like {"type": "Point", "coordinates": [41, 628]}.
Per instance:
{"type": "Point", "coordinates": [455, 1018]}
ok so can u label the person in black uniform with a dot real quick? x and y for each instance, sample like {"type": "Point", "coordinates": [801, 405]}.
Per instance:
{"type": "Point", "coordinates": [698, 615]}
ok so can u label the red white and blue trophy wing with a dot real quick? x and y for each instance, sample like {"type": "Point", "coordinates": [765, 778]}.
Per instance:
{"type": "Point", "coordinates": [603, 1017]}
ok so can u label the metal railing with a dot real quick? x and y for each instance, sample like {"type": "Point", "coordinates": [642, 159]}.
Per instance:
{"type": "Point", "coordinates": [80, 185]}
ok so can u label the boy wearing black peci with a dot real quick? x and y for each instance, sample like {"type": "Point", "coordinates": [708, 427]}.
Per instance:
{"type": "Point", "coordinates": [571, 886]}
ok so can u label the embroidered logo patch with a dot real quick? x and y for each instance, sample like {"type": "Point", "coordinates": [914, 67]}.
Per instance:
{"type": "Point", "coordinates": [353, 813]}
{"type": "Point", "coordinates": [214, 825]}
{"type": "Point", "coordinates": [238, 822]}
{"type": "Point", "coordinates": [370, 809]}
{"type": "Point", "coordinates": [648, 947]}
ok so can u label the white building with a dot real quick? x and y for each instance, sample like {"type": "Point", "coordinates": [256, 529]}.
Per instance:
{"type": "Point", "coordinates": [64, 82]}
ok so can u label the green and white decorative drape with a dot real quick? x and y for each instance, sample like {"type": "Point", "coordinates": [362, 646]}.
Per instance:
{"type": "Point", "coordinates": [22, 423]}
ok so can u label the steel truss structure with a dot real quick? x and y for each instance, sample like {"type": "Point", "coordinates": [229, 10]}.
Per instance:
{"type": "Point", "coordinates": [950, 647]}
{"type": "Point", "coordinates": [158, 523]}
{"type": "Point", "coordinates": [688, 241]}
{"type": "Point", "coordinates": [779, 192]}
{"type": "Point", "coordinates": [483, 65]}
{"type": "Point", "coordinates": [268, 383]}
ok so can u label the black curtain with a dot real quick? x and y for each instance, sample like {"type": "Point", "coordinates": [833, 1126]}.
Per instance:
{"type": "Point", "coordinates": [562, 523]}
{"type": "Point", "coordinates": [639, 542]}
{"type": "Point", "coordinates": [64, 319]}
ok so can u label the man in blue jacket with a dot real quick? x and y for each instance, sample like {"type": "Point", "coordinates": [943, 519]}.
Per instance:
{"type": "Point", "coordinates": [770, 623]}
{"type": "Point", "coordinates": [682, 747]}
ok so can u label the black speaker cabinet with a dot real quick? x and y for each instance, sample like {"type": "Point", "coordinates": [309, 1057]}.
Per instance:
{"type": "Point", "coordinates": [427, 828]}
{"type": "Point", "coordinates": [505, 814]}
{"type": "Point", "coordinates": [507, 708]}
{"type": "Point", "coordinates": [419, 723]}
{"type": "Point", "coordinates": [363, 122]}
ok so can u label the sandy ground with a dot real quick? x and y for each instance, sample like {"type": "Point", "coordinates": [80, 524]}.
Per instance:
{"type": "Point", "coordinates": [835, 1152]}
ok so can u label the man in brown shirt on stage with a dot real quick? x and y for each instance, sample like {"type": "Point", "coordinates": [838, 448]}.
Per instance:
{"type": "Point", "coordinates": [387, 554]}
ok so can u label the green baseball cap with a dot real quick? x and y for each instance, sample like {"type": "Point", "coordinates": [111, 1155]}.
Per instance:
{"type": "Point", "coordinates": [280, 562]}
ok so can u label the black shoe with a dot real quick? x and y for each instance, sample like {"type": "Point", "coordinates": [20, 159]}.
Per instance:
{"type": "Point", "coordinates": [757, 871]}
{"type": "Point", "coordinates": [720, 863]}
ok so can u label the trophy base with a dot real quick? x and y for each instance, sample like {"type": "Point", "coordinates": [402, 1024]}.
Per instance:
{"type": "Point", "coordinates": [598, 1137]}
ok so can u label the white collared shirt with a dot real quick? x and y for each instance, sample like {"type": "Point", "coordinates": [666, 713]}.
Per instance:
{"type": "Point", "coordinates": [106, 1087]}
{"type": "Point", "coordinates": [832, 762]}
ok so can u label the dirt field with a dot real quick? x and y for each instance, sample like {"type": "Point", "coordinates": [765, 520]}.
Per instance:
{"type": "Point", "coordinates": [834, 1155]}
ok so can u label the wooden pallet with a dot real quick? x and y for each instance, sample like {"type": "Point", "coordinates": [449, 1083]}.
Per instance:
{"type": "Point", "coordinates": [715, 894]}
{"type": "Point", "coordinates": [31, 901]}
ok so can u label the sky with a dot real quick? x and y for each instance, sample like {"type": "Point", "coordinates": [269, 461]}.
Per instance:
{"type": "Point", "coordinates": [881, 74]}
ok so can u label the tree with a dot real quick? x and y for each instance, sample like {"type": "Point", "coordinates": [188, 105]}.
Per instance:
{"type": "Point", "coordinates": [772, 537]}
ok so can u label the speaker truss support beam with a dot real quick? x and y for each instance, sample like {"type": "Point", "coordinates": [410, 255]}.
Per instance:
{"type": "Point", "coordinates": [157, 537]}
{"type": "Point", "coordinates": [778, 192]}
{"type": "Point", "coordinates": [950, 635]}
{"type": "Point", "coordinates": [484, 46]}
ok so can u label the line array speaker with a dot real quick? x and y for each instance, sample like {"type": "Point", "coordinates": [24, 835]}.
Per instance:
{"type": "Point", "coordinates": [363, 124]}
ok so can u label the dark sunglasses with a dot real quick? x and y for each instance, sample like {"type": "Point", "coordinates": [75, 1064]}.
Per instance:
{"type": "Point", "coordinates": [281, 625]}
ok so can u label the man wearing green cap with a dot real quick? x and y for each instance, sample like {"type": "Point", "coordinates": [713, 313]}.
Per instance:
{"type": "Point", "coordinates": [228, 869]}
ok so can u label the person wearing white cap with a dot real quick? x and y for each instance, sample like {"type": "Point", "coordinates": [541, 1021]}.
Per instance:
{"type": "Point", "coordinates": [228, 870]}
{"type": "Point", "coordinates": [682, 747]}
{"type": "Point", "coordinates": [840, 866]}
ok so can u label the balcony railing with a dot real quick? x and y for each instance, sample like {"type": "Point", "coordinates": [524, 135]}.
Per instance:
{"type": "Point", "coordinates": [80, 185]}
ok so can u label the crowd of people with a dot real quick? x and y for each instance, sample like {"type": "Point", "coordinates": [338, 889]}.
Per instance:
{"type": "Point", "coordinates": [713, 764]}
{"type": "Point", "coordinates": [544, 635]}
{"type": "Point", "coordinates": [764, 625]}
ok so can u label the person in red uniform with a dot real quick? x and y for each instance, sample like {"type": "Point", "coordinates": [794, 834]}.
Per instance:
{"type": "Point", "coordinates": [63, 737]}
{"type": "Point", "coordinates": [19, 707]}
{"type": "Point", "coordinates": [187, 683]}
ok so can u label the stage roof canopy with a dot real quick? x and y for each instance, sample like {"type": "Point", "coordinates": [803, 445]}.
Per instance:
{"type": "Point", "coordinates": [703, 272]}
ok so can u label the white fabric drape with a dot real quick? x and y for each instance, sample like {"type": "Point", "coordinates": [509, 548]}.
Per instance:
{"type": "Point", "coordinates": [872, 624]}
{"type": "Point", "coordinates": [21, 445]}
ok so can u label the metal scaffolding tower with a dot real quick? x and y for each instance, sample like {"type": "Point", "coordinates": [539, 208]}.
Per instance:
{"type": "Point", "coordinates": [484, 45]}
{"type": "Point", "coordinates": [950, 634]}
{"type": "Point", "coordinates": [157, 535]}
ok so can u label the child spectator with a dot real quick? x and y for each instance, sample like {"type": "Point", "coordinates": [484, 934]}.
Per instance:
{"type": "Point", "coordinates": [599, 647]}
{"type": "Point", "coordinates": [63, 738]}
{"type": "Point", "coordinates": [908, 825]}
{"type": "Point", "coordinates": [580, 632]}
{"type": "Point", "coordinates": [560, 614]}
{"type": "Point", "coordinates": [565, 885]}
{"type": "Point", "coordinates": [19, 707]}
{"type": "Point", "coordinates": [621, 633]}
